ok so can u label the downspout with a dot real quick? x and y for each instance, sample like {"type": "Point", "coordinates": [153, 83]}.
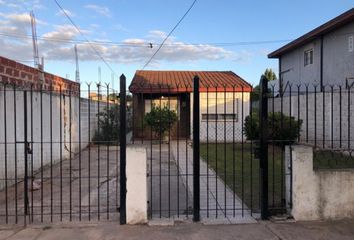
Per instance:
{"type": "Point", "coordinates": [321, 64]}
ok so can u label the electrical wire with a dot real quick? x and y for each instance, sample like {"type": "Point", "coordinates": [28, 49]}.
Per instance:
{"type": "Point", "coordinates": [86, 39]}
{"type": "Point", "coordinates": [124, 44]}
{"type": "Point", "coordinates": [169, 34]}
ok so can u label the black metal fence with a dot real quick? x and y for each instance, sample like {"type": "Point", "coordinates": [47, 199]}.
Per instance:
{"type": "Point", "coordinates": [216, 153]}
{"type": "Point", "coordinates": [59, 154]}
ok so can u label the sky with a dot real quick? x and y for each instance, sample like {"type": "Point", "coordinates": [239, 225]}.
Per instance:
{"type": "Point", "coordinates": [216, 35]}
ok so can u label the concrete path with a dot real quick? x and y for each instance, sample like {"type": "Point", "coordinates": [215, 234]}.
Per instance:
{"type": "Point", "coordinates": [218, 203]}
{"type": "Point", "coordinates": [342, 230]}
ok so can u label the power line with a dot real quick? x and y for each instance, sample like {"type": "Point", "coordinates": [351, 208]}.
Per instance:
{"type": "Point", "coordinates": [125, 44]}
{"type": "Point", "coordinates": [78, 29]}
{"type": "Point", "coordinates": [169, 34]}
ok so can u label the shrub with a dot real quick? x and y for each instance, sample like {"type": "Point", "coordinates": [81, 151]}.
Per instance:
{"type": "Point", "coordinates": [281, 128]}
{"type": "Point", "coordinates": [160, 119]}
{"type": "Point", "coordinates": [108, 119]}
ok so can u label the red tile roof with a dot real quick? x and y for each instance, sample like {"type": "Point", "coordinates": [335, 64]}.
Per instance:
{"type": "Point", "coordinates": [329, 26]}
{"type": "Point", "coordinates": [182, 81]}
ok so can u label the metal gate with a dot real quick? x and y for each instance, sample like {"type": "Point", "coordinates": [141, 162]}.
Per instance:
{"type": "Point", "coordinates": [202, 165]}
{"type": "Point", "coordinates": [59, 152]}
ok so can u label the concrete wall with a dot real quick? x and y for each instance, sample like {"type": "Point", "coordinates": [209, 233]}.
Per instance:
{"type": "Point", "coordinates": [322, 120]}
{"type": "Point", "coordinates": [63, 123]}
{"type": "Point", "coordinates": [137, 196]}
{"type": "Point", "coordinates": [215, 103]}
{"type": "Point", "coordinates": [338, 62]}
{"type": "Point", "coordinates": [318, 194]}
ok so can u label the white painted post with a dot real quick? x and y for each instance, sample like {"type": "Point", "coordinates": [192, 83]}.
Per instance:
{"type": "Point", "coordinates": [136, 171]}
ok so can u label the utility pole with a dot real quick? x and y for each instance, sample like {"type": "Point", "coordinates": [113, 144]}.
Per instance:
{"type": "Point", "coordinates": [77, 72]}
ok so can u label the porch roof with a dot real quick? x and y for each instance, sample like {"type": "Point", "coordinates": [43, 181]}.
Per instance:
{"type": "Point", "coordinates": [182, 82]}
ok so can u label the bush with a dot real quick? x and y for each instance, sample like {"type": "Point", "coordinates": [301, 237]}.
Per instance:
{"type": "Point", "coordinates": [281, 128]}
{"type": "Point", "coordinates": [160, 119]}
{"type": "Point", "coordinates": [108, 133]}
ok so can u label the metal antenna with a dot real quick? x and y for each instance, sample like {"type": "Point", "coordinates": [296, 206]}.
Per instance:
{"type": "Point", "coordinates": [34, 41]}
{"type": "Point", "coordinates": [77, 72]}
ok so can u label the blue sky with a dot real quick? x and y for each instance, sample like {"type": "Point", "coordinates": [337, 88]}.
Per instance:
{"type": "Point", "coordinates": [136, 23]}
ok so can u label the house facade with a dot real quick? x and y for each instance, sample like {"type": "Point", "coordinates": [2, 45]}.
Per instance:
{"type": "Point", "coordinates": [224, 102]}
{"type": "Point", "coordinates": [321, 57]}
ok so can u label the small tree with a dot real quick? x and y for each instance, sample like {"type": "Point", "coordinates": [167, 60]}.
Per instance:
{"type": "Point", "coordinates": [160, 119]}
{"type": "Point", "coordinates": [270, 75]}
{"type": "Point", "coordinates": [108, 132]}
{"type": "Point", "coordinates": [282, 129]}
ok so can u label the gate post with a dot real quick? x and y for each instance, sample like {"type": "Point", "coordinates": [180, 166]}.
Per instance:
{"type": "Point", "coordinates": [196, 150]}
{"type": "Point", "coordinates": [122, 151]}
{"type": "Point", "coordinates": [26, 148]}
{"type": "Point", "coordinates": [263, 140]}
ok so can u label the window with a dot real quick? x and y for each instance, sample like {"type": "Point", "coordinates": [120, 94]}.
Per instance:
{"type": "Point", "coordinates": [219, 117]}
{"type": "Point", "coordinates": [351, 43]}
{"type": "Point", "coordinates": [308, 57]}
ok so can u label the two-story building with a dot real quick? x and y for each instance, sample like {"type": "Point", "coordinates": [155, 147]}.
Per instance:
{"type": "Point", "coordinates": [321, 57]}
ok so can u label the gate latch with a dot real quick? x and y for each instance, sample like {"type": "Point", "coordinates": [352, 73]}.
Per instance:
{"type": "Point", "coordinates": [28, 148]}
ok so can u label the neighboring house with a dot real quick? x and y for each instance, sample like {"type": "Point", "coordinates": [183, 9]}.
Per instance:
{"type": "Point", "coordinates": [219, 91]}
{"type": "Point", "coordinates": [322, 57]}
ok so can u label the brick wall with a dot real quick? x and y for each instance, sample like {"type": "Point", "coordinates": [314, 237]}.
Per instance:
{"type": "Point", "coordinates": [22, 76]}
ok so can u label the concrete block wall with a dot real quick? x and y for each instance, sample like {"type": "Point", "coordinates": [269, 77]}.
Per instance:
{"type": "Point", "coordinates": [318, 194]}
{"type": "Point", "coordinates": [56, 130]}
{"type": "Point", "coordinates": [20, 75]}
{"type": "Point", "coordinates": [327, 118]}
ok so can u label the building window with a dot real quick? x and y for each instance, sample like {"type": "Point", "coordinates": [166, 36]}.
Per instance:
{"type": "Point", "coordinates": [351, 43]}
{"type": "Point", "coordinates": [219, 117]}
{"type": "Point", "coordinates": [308, 57]}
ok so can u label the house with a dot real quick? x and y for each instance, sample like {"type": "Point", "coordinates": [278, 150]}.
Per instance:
{"type": "Point", "coordinates": [224, 102]}
{"type": "Point", "coordinates": [322, 57]}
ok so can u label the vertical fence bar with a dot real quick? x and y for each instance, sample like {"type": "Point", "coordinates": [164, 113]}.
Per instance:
{"type": "Point", "coordinates": [160, 152]}
{"type": "Point", "coordinates": [242, 154]}
{"type": "Point", "coordinates": [98, 151]}
{"type": "Point", "coordinates": [169, 156]}
{"type": "Point", "coordinates": [273, 150]}
{"type": "Point", "coordinates": [123, 145]}
{"type": "Point", "coordinates": [196, 150]}
{"type": "Point", "coordinates": [323, 116]}
{"type": "Point", "coordinates": [234, 154]}
{"type": "Point", "coordinates": [61, 150]}
{"type": "Point", "coordinates": [225, 176]}
{"type": "Point", "coordinates": [5, 162]}
{"type": "Point", "coordinates": [178, 135]}
{"type": "Point", "coordinates": [151, 173]}
{"type": "Point", "coordinates": [207, 148]}
{"type": "Point", "coordinates": [216, 152]}
{"type": "Point", "coordinates": [70, 151]}
{"type": "Point", "coordinates": [89, 152]}
{"type": "Point", "coordinates": [15, 141]}
{"type": "Point", "coordinates": [315, 107]}
{"type": "Point", "coordinates": [107, 154]}
{"type": "Point", "coordinates": [26, 148]}
{"type": "Point", "coordinates": [263, 126]}
{"type": "Point", "coordinates": [32, 152]}
{"type": "Point", "coordinates": [340, 116]}
{"type": "Point", "coordinates": [348, 118]}
{"type": "Point", "coordinates": [80, 194]}
{"type": "Point", "coordinates": [51, 150]}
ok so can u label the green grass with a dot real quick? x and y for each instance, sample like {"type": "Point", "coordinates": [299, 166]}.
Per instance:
{"type": "Point", "coordinates": [326, 159]}
{"type": "Point", "coordinates": [242, 170]}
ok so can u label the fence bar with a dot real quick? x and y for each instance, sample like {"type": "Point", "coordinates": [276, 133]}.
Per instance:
{"type": "Point", "coordinates": [26, 148]}
{"type": "Point", "coordinates": [123, 145]}
{"type": "Point", "coordinates": [263, 124]}
{"type": "Point", "coordinates": [196, 150]}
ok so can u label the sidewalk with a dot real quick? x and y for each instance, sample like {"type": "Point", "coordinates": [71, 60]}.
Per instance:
{"type": "Point", "coordinates": [264, 230]}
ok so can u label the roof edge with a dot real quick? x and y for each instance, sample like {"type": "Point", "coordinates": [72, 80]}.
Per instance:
{"type": "Point", "coordinates": [329, 26]}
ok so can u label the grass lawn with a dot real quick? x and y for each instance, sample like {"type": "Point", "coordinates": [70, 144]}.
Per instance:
{"type": "Point", "coordinates": [245, 181]}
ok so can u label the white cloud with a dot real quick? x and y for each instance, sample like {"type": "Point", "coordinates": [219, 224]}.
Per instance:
{"type": "Point", "coordinates": [102, 10]}
{"type": "Point", "coordinates": [61, 13]}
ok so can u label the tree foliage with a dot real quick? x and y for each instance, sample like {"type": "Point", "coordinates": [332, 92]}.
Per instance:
{"type": "Point", "coordinates": [160, 119]}
{"type": "Point", "coordinates": [108, 132]}
{"type": "Point", "coordinates": [270, 75]}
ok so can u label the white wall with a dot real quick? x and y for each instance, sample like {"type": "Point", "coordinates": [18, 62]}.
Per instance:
{"type": "Point", "coordinates": [15, 152]}
{"type": "Point", "coordinates": [215, 103]}
{"type": "Point", "coordinates": [322, 122]}
{"type": "Point", "coordinates": [320, 194]}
